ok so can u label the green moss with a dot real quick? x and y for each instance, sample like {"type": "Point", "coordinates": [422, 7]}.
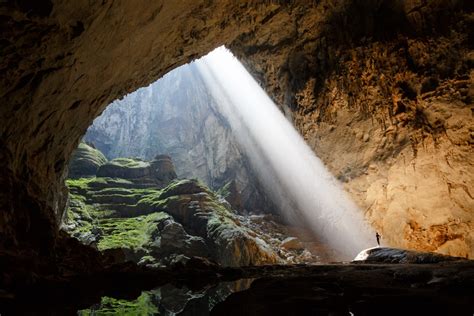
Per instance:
{"type": "Point", "coordinates": [85, 161]}
{"type": "Point", "coordinates": [152, 201]}
{"type": "Point", "coordinates": [132, 233]}
{"type": "Point", "coordinates": [93, 197]}
{"type": "Point", "coordinates": [143, 305]}
{"type": "Point", "coordinates": [98, 213]}
{"type": "Point", "coordinates": [125, 191]}
{"type": "Point", "coordinates": [83, 185]}
{"type": "Point", "coordinates": [129, 162]}
{"type": "Point", "coordinates": [128, 196]}
{"type": "Point", "coordinates": [225, 190]}
{"type": "Point", "coordinates": [102, 182]}
{"type": "Point", "coordinates": [78, 216]}
{"type": "Point", "coordinates": [79, 185]}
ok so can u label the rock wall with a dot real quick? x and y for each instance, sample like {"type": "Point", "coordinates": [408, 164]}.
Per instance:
{"type": "Point", "coordinates": [383, 92]}
{"type": "Point", "coordinates": [352, 69]}
{"type": "Point", "coordinates": [178, 116]}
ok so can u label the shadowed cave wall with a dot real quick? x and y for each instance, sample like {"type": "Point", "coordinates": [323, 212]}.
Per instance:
{"type": "Point", "coordinates": [382, 91]}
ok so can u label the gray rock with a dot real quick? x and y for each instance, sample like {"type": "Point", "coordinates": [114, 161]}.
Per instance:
{"type": "Point", "coordinates": [173, 239]}
{"type": "Point", "coordinates": [85, 161]}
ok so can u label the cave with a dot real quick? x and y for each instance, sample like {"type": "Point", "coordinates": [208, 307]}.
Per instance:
{"type": "Point", "coordinates": [381, 91]}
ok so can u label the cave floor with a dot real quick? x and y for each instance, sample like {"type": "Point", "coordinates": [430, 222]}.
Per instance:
{"type": "Point", "coordinates": [326, 289]}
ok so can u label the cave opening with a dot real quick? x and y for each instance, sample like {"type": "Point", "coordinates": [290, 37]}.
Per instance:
{"type": "Point", "coordinates": [380, 90]}
{"type": "Point", "coordinates": [206, 129]}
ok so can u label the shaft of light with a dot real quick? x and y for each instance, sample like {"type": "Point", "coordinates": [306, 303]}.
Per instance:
{"type": "Point", "coordinates": [290, 171]}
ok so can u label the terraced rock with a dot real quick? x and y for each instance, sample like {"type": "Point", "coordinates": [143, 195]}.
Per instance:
{"type": "Point", "coordinates": [131, 220]}
{"type": "Point", "coordinates": [157, 172]}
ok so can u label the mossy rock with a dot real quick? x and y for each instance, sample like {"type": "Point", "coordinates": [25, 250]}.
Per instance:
{"type": "Point", "coordinates": [184, 186]}
{"type": "Point", "coordinates": [125, 168]}
{"type": "Point", "coordinates": [128, 220]}
{"type": "Point", "coordinates": [100, 183]}
{"type": "Point", "coordinates": [85, 161]}
{"type": "Point", "coordinates": [143, 305]}
{"type": "Point", "coordinates": [131, 233]}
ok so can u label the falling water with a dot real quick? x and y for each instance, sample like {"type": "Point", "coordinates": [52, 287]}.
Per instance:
{"type": "Point", "coordinates": [288, 168]}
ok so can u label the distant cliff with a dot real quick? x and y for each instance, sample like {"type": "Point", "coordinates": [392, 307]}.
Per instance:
{"type": "Point", "coordinates": [176, 116]}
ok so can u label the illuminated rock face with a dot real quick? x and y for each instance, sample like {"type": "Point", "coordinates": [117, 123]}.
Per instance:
{"type": "Point", "coordinates": [387, 105]}
{"type": "Point", "coordinates": [382, 90]}
{"type": "Point", "coordinates": [178, 115]}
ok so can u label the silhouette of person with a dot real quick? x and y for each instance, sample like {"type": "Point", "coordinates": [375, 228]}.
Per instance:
{"type": "Point", "coordinates": [378, 238]}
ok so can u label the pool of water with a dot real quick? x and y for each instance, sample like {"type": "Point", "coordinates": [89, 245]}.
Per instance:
{"type": "Point", "coordinates": [170, 300]}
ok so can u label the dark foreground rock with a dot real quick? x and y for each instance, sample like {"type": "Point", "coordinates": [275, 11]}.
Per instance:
{"type": "Point", "coordinates": [376, 289]}
{"type": "Point", "coordinates": [337, 289]}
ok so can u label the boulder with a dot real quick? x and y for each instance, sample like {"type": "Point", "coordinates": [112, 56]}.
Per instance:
{"type": "Point", "coordinates": [85, 161]}
{"type": "Point", "coordinates": [186, 186]}
{"type": "Point", "coordinates": [292, 243]}
{"type": "Point", "coordinates": [163, 169]}
{"type": "Point", "coordinates": [171, 238]}
{"type": "Point", "coordinates": [201, 214]}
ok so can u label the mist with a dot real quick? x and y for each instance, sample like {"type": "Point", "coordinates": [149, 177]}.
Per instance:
{"type": "Point", "coordinates": [305, 191]}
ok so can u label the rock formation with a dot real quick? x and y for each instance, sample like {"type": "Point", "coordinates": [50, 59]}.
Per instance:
{"type": "Point", "coordinates": [394, 255]}
{"type": "Point", "coordinates": [178, 116]}
{"type": "Point", "coordinates": [136, 210]}
{"type": "Point", "coordinates": [158, 172]}
{"type": "Point", "coordinates": [85, 161]}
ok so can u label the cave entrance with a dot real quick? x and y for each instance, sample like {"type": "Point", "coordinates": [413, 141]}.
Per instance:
{"type": "Point", "coordinates": [202, 163]}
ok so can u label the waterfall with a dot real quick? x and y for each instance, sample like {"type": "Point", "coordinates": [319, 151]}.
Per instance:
{"type": "Point", "coordinates": [289, 170]}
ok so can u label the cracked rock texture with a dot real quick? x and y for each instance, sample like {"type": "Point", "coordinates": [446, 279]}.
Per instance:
{"type": "Point", "coordinates": [382, 91]}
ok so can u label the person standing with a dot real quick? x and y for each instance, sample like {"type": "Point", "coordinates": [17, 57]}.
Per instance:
{"type": "Point", "coordinates": [378, 238]}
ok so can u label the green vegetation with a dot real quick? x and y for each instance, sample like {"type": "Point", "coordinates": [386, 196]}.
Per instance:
{"type": "Point", "coordinates": [85, 161]}
{"type": "Point", "coordinates": [125, 191]}
{"type": "Point", "coordinates": [114, 215]}
{"type": "Point", "coordinates": [78, 216]}
{"type": "Point", "coordinates": [143, 305]}
{"type": "Point", "coordinates": [225, 190]}
{"type": "Point", "coordinates": [132, 233]}
{"type": "Point", "coordinates": [80, 185]}
{"type": "Point", "coordinates": [106, 182]}
{"type": "Point", "coordinates": [152, 201]}
{"type": "Point", "coordinates": [129, 162]}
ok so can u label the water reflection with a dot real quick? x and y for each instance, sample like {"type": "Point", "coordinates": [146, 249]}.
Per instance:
{"type": "Point", "coordinates": [169, 300]}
